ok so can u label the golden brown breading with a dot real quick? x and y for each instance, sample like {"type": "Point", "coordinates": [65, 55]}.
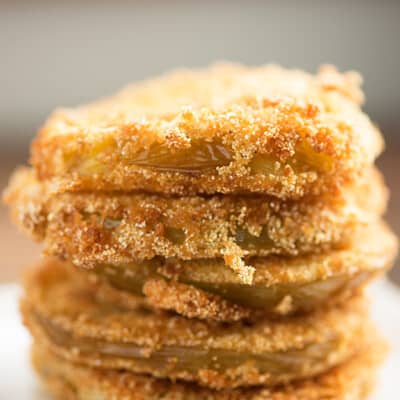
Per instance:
{"type": "Point", "coordinates": [224, 129]}
{"type": "Point", "coordinates": [67, 381]}
{"type": "Point", "coordinates": [74, 319]}
{"type": "Point", "coordinates": [91, 228]}
{"type": "Point", "coordinates": [206, 289]}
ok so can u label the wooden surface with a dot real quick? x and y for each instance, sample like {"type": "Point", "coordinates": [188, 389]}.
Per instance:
{"type": "Point", "coordinates": [18, 251]}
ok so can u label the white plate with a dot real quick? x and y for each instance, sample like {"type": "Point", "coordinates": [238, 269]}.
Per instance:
{"type": "Point", "coordinates": [17, 381]}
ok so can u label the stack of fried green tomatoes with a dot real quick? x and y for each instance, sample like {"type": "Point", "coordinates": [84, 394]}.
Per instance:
{"type": "Point", "coordinates": [207, 235]}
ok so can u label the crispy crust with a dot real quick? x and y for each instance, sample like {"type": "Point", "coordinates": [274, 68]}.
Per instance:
{"type": "Point", "coordinates": [309, 128]}
{"type": "Point", "coordinates": [198, 289]}
{"type": "Point", "coordinates": [67, 381]}
{"type": "Point", "coordinates": [92, 228]}
{"type": "Point", "coordinates": [74, 307]}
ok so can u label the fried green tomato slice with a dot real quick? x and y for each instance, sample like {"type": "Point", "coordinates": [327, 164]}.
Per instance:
{"type": "Point", "coordinates": [74, 319]}
{"type": "Point", "coordinates": [100, 228]}
{"type": "Point", "coordinates": [207, 289]}
{"type": "Point", "coordinates": [223, 129]}
{"type": "Point", "coordinates": [69, 381]}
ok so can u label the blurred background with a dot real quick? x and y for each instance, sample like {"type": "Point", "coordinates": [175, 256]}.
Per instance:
{"type": "Point", "coordinates": [62, 53]}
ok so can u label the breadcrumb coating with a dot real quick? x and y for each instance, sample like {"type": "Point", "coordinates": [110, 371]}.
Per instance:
{"type": "Point", "coordinates": [68, 381]}
{"type": "Point", "coordinates": [72, 318]}
{"type": "Point", "coordinates": [205, 289]}
{"type": "Point", "coordinates": [222, 129]}
{"type": "Point", "coordinates": [92, 228]}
